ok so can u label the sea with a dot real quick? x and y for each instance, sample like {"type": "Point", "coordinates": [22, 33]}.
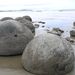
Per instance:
{"type": "Point", "coordinates": [53, 18]}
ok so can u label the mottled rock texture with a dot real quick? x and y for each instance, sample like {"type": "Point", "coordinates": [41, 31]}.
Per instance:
{"type": "Point", "coordinates": [27, 18]}
{"type": "Point", "coordinates": [48, 54]}
{"type": "Point", "coordinates": [26, 23]}
{"type": "Point", "coordinates": [72, 33]}
{"type": "Point", "coordinates": [13, 37]}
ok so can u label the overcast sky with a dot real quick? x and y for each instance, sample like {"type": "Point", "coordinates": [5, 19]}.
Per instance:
{"type": "Point", "coordinates": [52, 3]}
{"type": "Point", "coordinates": [55, 2]}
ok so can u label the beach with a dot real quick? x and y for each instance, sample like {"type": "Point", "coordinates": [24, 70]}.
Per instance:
{"type": "Point", "coordinates": [11, 65]}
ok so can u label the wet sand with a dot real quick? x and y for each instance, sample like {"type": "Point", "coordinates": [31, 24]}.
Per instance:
{"type": "Point", "coordinates": [11, 65]}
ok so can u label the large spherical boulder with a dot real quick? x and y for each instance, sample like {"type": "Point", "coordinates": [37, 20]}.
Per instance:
{"type": "Point", "coordinates": [26, 23]}
{"type": "Point", "coordinates": [6, 18]}
{"type": "Point", "coordinates": [48, 54]}
{"type": "Point", "coordinates": [27, 18]}
{"type": "Point", "coordinates": [13, 37]}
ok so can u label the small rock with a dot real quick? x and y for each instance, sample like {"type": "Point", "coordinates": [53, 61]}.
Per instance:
{"type": "Point", "coordinates": [54, 32]}
{"type": "Point", "coordinates": [13, 37]}
{"type": "Point", "coordinates": [36, 25]}
{"type": "Point", "coordinates": [69, 39]}
{"type": "Point", "coordinates": [28, 18]}
{"type": "Point", "coordinates": [58, 29]}
{"type": "Point", "coordinates": [72, 33]}
{"type": "Point", "coordinates": [26, 23]}
{"type": "Point", "coordinates": [43, 26]}
{"type": "Point", "coordinates": [73, 23]}
{"type": "Point", "coordinates": [41, 22]}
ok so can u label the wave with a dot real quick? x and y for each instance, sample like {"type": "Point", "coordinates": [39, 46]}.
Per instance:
{"type": "Point", "coordinates": [21, 10]}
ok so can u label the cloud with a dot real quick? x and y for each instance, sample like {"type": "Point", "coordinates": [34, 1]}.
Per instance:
{"type": "Point", "coordinates": [54, 4]}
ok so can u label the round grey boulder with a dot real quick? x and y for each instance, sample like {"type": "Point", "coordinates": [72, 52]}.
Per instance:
{"type": "Point", "coordinates": [18, 18]}
{"type": "Point", "coordinates": [6, 18]}
{"type": "Point", "coordinates": [13, 37]}
{"type": "Point", "coordinates": [48, 54]}
{"type": "Point", "coordinates": [26, 23]}
{"type": "Point", "coordinates": [27, 18]}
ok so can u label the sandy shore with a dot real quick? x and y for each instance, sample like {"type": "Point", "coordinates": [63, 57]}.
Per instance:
{"type": "Point", "coordinates": [12, 66]}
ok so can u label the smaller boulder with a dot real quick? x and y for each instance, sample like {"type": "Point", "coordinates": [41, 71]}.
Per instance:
{"type": "Point", "coordinates": [72, 33]}
{"type": "Point", "coordinates": [28, 18]}
{"type": "Point", "coordinates": [6, 18]}
{"type": "Point", "coordinates": [58, 30]}
{"type": "Point", "coordinates": [18, 18]}
{"type": "Point", "coordinates": [41, 22]}
{"type": "Point", "coordinates": [73, 23]}
{"type": "Point", "coordinates": [36, 25]}
{"type": "Point", "coordinates": [26, 23]}
{"type": "Point", "coordinates": [70, 39]}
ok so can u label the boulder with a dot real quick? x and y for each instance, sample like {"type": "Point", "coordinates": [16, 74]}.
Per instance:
{"type": "Point", "coordinates": [54, 32]}
{"type": "Point", "coordinates": [71, 40]}
{"type": "Point", "coordinates": [13, 37]}
{"type": "Point", "coordinates": [58, 30]}
{"type": "Point", "coordinates": [72, 33]}
{"type": "Point", "coordinates": [36, 25]}
{"type": "Point", "coordinates": [73, 23]}
{"type": "Point", "coordinates": [6, 18]}
{"type": "Point", "coordinates": [18, 18]}
{"type": "Point", "coordinates": [26, 23]}
{"type": "Point", "coordinates": [27, 18]}
{"type": "Point", "coordinates": [48, 54]}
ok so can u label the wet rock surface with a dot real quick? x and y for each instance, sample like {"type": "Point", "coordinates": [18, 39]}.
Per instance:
{"type": "Point", "coordinates": [36, 25]}
{"type": "Point", "coordinates": [48, 54]}
{"type": "Point", "coordinates": [13, 37]}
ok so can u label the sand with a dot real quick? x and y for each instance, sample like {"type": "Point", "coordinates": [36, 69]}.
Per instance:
{"type": "Point", "coordinates": [11, 65]}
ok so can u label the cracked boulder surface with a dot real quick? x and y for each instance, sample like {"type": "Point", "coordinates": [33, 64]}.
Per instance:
{"type": "Point", "coordinates": [48, 54]}
{"type": "Point", "coordinates": [13, 37]}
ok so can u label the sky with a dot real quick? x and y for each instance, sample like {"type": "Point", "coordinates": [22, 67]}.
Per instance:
{"type": "Point", "coordinates": [55, 4]}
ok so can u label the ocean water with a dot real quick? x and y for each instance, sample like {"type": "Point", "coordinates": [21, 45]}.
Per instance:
{"type": "Point", "coordinates": [61, 18]}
